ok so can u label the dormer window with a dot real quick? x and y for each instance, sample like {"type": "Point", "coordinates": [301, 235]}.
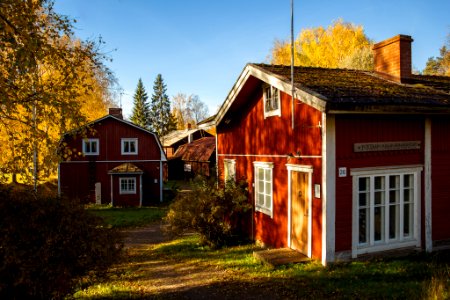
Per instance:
{"type": "Point", "coordinates": [271, 101]}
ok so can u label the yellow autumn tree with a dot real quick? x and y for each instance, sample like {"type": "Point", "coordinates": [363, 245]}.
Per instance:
{"type": "Point", "coordinates": [341, 45]}
{"type": "Point", "coordinates": [49, 83]}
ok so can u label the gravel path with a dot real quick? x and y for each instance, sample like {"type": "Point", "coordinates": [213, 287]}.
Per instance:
{"type": "Point", "coordinates": [144, 236]}
{"type": "Point", "coordinates": [163, 277]}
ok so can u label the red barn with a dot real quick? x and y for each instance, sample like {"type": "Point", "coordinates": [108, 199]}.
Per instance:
{"type": "Point", "coordinates": [113, 161]}
{"type": "Point", "coordinates": [358, 163]}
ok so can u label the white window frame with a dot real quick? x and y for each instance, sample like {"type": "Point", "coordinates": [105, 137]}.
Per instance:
{"type": "Point", "coordinates": [267, 207]}
{"type": "Point", "coordinates": [129, 140]}
{"type": "Point", "coordinates": [386, 243]}
{"type": "Point", "coordinates": [90, 141]}
{"type": "Point", "coordinates": [229, 169]}
{"type": "Point", "coordinates": [127, 190]}
{"type": "Point", "coordinates": [273, 91]}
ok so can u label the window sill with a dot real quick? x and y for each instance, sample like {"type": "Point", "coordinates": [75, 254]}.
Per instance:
{"type": "Point", "coordinates": [264, 211]}
{"type": "Point", "coordinates": [384, 247]}
{"type": "Point", "coordinates": [274, 113]}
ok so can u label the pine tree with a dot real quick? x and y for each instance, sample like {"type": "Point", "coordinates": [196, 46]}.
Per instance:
{"type": "Point", "coordinates": [161, 119]}
{"type": "Point", "coordinates": [141, 108]}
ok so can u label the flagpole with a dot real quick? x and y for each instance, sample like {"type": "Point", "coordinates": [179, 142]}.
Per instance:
{"type": "Point", "coordinates": [292, 64]}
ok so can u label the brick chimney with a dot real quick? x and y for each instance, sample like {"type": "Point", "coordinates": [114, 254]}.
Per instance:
{"type": "Point", "coordinates": [392, 58]}
{"type": "Point", "coordinates": [116, 112]}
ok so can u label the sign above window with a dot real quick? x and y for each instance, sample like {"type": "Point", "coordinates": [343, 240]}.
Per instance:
{"type": "Point", "coordinates": [386, 146]}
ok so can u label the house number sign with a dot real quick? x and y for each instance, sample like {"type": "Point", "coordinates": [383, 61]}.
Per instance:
{"type": "Point", "coordinates": [386, 146]}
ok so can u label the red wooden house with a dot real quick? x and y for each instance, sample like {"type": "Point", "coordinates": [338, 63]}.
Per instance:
{"type": "Point", "coordinates": [195, 158]}
{"type": "Point", "coordinates": [173, 140]}
{"type": "Point", "coordinates": [113, 161]}
{"type": "Point", "coordinates": [358, 163]}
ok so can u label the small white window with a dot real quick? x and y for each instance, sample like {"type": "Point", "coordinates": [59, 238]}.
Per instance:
{"type": "Point", "coordinates": [386, 208]}
{"type": "Point", "coordinates": [129, 146]}
{"type": "Point", "coordinates": [264, 187]}
{"type": "Point", "coordinates": [229, 169]}
{"type": "Point", "coordinates": [271, 101]}
{"type": "Point", "coordinates": [127, 185]}
{"type": "Point", "coordinates": [90, 147]}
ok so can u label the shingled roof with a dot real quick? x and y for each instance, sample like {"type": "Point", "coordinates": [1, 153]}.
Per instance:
{"type": "Point", "coordinates": [342, 87]}
{"type": "Point", "coordinates": [199, 150]}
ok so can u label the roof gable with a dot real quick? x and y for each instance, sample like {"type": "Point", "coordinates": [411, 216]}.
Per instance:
{"type": "Point", "coordinates": [120, 121]}
{"type": "Point", "coordinates": [178, 135]}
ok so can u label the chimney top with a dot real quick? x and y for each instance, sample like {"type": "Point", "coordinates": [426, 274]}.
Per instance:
{"type": "Point", "coordinates": [116, 112]}
{"type": "Point", "coordinates": [392, 58]}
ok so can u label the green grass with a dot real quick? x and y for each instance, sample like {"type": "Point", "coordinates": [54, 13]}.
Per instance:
{"type": "Point", "coordinates": [128, 217]}
{"type": "Point", "coordinates": [233, 272]}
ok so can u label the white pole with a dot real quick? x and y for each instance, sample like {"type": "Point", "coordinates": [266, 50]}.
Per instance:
{"type": "Point", "coordinates": [292, 63]}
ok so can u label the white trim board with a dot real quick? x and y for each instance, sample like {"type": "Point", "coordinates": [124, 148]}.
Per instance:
{"type": "Point", "coordinates": [270, 155]}
{"type": "Point", "coordinates": [110, 161]}
{"type": "Point", "coordinates": [328, 188]}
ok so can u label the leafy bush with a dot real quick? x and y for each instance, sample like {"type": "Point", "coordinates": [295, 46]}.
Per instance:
{"type": "Point", "coordinates": [47, 244]}
{"type": "Point", "coordinates": [213, 212]}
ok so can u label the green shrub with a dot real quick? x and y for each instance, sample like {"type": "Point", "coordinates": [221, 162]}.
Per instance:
{"type": "Point", "coordinates": [213, 212]}
{"type": "Point", "coordinates": [48, 244]}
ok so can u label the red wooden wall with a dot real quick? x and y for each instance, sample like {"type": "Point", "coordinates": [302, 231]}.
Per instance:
{"type": "Point", "coordinates": [248, 137]}
{"type": "Point", "coordinates": [351, 129]}
{"type": "Point", "coordinates": [440, 169]}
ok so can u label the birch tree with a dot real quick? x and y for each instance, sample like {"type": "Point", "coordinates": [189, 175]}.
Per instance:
{"type": "Point", "coordinates": [341, 45]}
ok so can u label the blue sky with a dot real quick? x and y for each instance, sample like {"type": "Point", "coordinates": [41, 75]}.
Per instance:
{"type": "Point", "coordinates": [201, 46]}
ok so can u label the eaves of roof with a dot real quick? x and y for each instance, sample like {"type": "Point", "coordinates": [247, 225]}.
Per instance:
{"type": "Point", "coordinates": [349, 91]}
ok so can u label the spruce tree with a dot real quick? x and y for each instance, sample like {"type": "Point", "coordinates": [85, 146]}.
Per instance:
{"type": "Point", "coordinates": [161, 119]}
{"type": "Point", "coordinates": [141, 107]}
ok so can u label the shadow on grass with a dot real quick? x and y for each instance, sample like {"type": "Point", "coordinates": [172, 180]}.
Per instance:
{"type": "Point", "coordinates": [183, 269]}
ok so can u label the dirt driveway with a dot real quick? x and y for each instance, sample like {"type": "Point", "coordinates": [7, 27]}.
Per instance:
{"type": "Point", "coordinates": [163, 277]}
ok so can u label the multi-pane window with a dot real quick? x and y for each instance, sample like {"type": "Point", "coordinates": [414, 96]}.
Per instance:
{"type": "Point", "coordinates": [129, 146]}
{"type": "Point", "coordinates": [386, 206]}
{"type": "Point", "coordinates": [263, 187]}
{"type": "Point", "coordinates": [90, 147]}
{"type": "Point", "coordinates": [271, 101]}
{"type": "Point", "coordinates": [127, 185]}
{"type": "Point", "coordinates": [229, 169]}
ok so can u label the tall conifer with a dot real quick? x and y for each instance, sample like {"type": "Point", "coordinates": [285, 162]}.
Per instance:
{"type": "Point", "coordinates": [141, 107]}
{"type": "Point", "coordinates": [161, 119]}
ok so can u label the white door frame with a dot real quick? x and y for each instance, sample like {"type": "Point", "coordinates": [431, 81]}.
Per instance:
{"type": "Point", "coordinates": [309, 170]}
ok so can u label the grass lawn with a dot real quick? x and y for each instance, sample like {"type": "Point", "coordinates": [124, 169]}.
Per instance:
{"type": "Point", "coordinates": [182, 268]}
{"type": "Point", "coordinates": [128, 217]}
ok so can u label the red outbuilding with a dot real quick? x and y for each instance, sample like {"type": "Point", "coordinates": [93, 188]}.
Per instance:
{"type": "Point", "coordinates": [111, 160]}
{"type": "Point", "coordinates": [358, 163]}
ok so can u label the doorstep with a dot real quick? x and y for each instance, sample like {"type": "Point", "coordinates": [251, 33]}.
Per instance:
{"type": "Point", "coordinates": [281, 256]}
